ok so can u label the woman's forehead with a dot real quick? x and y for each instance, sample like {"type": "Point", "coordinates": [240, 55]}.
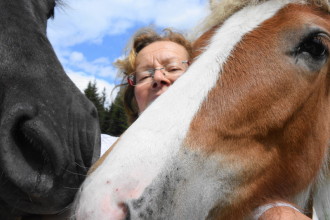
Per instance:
{"type": "Point", "coordinates": [161, 51]}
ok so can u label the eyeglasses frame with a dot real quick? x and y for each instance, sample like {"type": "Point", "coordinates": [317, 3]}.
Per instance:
{"type": "Point", "coordinates": [130, 77]}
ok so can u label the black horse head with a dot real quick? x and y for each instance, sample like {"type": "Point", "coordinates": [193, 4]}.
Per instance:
{"type": "Point", "coordinates": [49, 132]}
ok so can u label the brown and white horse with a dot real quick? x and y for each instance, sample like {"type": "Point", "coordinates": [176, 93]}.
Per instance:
{"type": "Point", "coordinates": [247, 125]}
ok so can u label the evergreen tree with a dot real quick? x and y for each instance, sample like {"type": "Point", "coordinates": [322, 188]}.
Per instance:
{"type": "Point", "coordinates": [113, 120]}
{"type": "Point", "coordinates": [117, 116]}
{"type": "Point", "coordinates": [92, 94]}
{"type": "Point", "coordinates": [103, 97]}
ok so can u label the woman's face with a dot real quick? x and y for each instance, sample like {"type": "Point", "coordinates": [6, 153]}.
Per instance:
{"type": "Point", "coordinates": [154, 56]}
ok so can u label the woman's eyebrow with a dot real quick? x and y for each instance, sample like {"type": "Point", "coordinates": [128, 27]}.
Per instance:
{"type": "Point", "coordinates": [161, 62]}
{"type": "Point", "coordinates": [146, 66]}
{"type": "Point", "coordinates": [172, 59]}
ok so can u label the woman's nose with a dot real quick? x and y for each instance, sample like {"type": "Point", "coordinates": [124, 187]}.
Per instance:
{"type": "Point", "coordinates": [160, 79]}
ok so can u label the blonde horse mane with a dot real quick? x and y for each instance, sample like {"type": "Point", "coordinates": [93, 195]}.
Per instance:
{"type": "Point", "coordinates": [222, 9]}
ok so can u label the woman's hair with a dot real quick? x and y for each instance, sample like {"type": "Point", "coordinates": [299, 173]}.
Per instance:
{"type": "Point", "coordinates": [140, 40]}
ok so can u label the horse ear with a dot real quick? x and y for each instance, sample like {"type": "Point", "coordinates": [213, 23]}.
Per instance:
{"type": "Point", "coordinates": [321, 199]}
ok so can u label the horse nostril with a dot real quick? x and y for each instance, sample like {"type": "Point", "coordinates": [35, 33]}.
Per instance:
{"type": "Point", "coordinates": [125, 210]}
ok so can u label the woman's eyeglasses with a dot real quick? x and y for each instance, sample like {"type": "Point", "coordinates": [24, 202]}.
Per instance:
{"type": "Point", "coordinates": [147, 76]}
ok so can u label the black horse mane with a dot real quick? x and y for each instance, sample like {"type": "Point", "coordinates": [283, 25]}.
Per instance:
{"type": "Point", "coordinates": [58, 3]}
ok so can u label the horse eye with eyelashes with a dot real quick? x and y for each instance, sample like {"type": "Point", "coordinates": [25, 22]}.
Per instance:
{"type": "Point", "coordinates": [314, 46]}
{"type": "Point", "coordinates": [312, 51]}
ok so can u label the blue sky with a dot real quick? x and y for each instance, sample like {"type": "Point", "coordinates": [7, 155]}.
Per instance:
{"type": "Point", "coordinates": [89, 35]}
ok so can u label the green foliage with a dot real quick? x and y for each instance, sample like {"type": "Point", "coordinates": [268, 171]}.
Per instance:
{"type": "Point", "coordinates": [117, 122]}
{"type": "Point", "coordinates": [113, 120]}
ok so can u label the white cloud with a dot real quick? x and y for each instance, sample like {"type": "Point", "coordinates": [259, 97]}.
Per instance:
{"type": "Point", "coordinates": [76, 57]}
{"type": "Point", "coordinates": [81, 71]}
{"type": "Point", "coordinates": [82, 21]}
{"type": "Point", "coordinates": [101, 67]}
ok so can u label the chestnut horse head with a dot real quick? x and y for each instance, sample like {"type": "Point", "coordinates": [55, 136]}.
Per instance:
{"type": "Point", "coordinates": [49, 130]}
{"type": "Point", "coordinates": [248, 124]}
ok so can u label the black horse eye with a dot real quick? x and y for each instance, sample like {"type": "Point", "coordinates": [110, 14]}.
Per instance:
{"type": "Point", "coordinates": [314, 46]}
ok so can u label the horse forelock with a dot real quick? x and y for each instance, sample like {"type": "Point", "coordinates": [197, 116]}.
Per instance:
{"type": "Point", "coordinates": [221, 10]}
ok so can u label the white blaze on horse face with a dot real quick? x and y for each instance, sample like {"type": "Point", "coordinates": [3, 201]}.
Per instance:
{"type": "Point", "coordinates": [152, 143]}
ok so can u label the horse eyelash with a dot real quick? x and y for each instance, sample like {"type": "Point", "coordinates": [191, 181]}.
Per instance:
{"type": "Point", "coordinates": [325, 40]}
{"type": "Point", "coordinates": [322, 40]}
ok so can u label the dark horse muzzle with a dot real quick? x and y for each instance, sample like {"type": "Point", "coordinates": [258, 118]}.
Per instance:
{"type": "Point", "coordinates": [49, 130]}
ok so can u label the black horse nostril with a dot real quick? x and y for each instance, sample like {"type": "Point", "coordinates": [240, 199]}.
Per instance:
{"type": "Point", "coordinates": [125, 209]}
